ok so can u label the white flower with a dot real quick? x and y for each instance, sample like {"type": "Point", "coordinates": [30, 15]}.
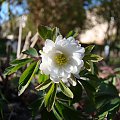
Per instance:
{"type": "Point", "coordinates": [62, 58]}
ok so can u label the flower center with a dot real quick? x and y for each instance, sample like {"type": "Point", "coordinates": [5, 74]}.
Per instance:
{"type": "Point", "coordinates": [60, 59]}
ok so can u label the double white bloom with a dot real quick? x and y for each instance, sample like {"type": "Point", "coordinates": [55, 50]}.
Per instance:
{"type": "Point", "coordinates": [62, 58]}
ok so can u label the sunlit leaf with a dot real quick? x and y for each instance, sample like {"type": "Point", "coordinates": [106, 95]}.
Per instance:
{"type": "Point", "coordinates": [89, 48]}
{"type": "Point", "coordinates": [65, 90]}
{"type": "Point", "coordinates": [16, 66]}
{"type": "Point", "coordinates": [44, 85]}
{"type": "Point", "coordinates": [42, 77]}
{"type": "Point", "coordinates": [72, 33]}
{"type": "Point", "coordinates": [92, 57]}
{"type": "Point", "coordinates": [27, 76]}
{"type": "Point", "coordinates": [50, 97]}
{"type": "Point", "coordinates": [55, 33]}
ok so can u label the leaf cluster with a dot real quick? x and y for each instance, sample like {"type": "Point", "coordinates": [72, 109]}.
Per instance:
{"type": "Point", "coordinates": [100, 97]}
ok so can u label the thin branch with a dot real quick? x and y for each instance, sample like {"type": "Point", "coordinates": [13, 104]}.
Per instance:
{"type": "Point", "coordinates": [19, 41]}
{"type": "Point", "coordinates": [27, 41]}
{"type": "Point", "coordinates": [26, 45]}
{"type": "Point", "coordinates": [34, 40]}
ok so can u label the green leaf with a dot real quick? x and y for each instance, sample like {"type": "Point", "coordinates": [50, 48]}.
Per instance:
{"type": "Point", "coordinates": [44, 85]}
{"type": "Point", "coordinates": [36, 105]}
{"type": "Point", "coordinates": [42, 77]}
{"type": "Point", "coordinates": [107, 89]}
{"type": "Point", "coordinates": [16, 66]}
{"type": "Point", "coordinates": [45, 32]}
{"type": "Point", "coordinates": [8, 70]}
{"type": "Point", "coordinates": [62, 97]}
{"type": "Point", "coordinates": [90, 90]}
{"type": "Point", "coordinates": [92, 67]}
{"type": "Point", "coordinates": [89, 48]}
{"type": "Point", "coordinates": [77, 91]}
{"type": "Point", "coordinates": [66, 90]}
{"type": "Point", "coordinates": [27, 76]}
{"type": "Point", "coordinates": [67, 113]}
{"type": "Point", "coordinates": [56, 114]}
{"type": "Point", "coordinates": [19, 61]}
{"type": "Point", "coordinates": [92, 57]}
{"type": "Point", "coordinates": [93, 79]}
{"type": "Point", "coordinates": [31, 51]}
{"type": "Point", "coordinates": [109, 107]}
{"type": "Point", "coordinates": [50, 97]}
{"type": "Point", "coordinates": [72, 33]}
{"type": "Point", "coordinates": [87, 65]}
{"type": "Point", "coordinates": [55, 33]}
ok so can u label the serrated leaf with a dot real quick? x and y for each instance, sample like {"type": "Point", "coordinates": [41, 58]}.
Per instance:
{"type": "Point", "coordinates": [44, 85]}
{"type": "Point", "coordinates": [27, 76]}
{"type": "Point", "coordinates": [31, 51]}
{"type": "Point", "coordinates": [65, 90]}
{"type": "Point", "coordinates": [16, 66]}
{"type": "Point", "coordinates": [45, 32]}
{"type": "Point", "coordinates": [89, 48]}
{"type": "Point", "coordinates": [50, 97]}
{"type": "Point", "coordinates": [92, 57]}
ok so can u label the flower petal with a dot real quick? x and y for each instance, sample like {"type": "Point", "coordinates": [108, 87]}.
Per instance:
{"type": "Point", "coordinates": [72, 81]}
{"type": "Point", "coordinates": [44, 69]}
{"type": "Point", "coordinates": [55, 79]}
{"type": "Point", "coordinates": [71, 50]}
{"type": "Point", "coordinates": [58, 39]}
{"type": "Point", "coordinates": [49, 44]}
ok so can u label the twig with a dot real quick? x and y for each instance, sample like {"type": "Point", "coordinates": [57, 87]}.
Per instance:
{"type": "Point", "coordinates": [34, 40]}
{"type": "Point", "coordinates": [26, 44]}
{"type": "Point", "coordinates": [27, 41]}
{"type": "Point", "coordinates": [19, 41]}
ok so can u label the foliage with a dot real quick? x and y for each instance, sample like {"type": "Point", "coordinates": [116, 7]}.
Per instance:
{"type": "Point", "coordinates": [100, 97]}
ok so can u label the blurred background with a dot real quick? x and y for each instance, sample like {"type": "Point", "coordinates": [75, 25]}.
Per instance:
{"type": "Point", "coordinates": [96, 21]}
